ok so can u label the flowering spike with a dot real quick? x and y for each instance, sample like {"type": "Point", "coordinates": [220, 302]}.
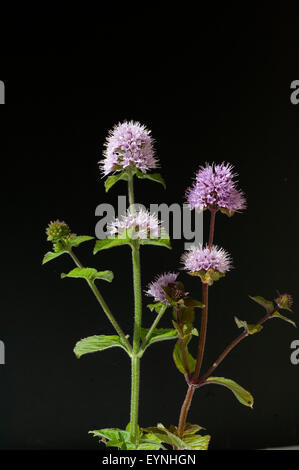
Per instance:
{"type": "Point", "coordinates": [214, 188]}
{"type": "Point", "coordinates": [166, 281]}
{"type": "Point", "coordinates": [208, 263]}
{"type": "Point", "coordinates": [129, 144]}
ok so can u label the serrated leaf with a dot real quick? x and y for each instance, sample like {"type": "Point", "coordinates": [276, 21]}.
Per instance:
{"type": "Point", "coordinates": [267, 304]}
{"type": "Point", "coordinates": [197, 442]}
{"type": "Point", "coordinates": [76, 241]}
{"type": "Point", "coordinates": [52, 255]}
{"type": "Point", "coordinates": [110, 243]}
{"type": "Point", "coordinates": [165, 436]}
{"type": "Point", "coordinates": [113, 434]}
{"type": "Point", "coordinates": [90, 274]}
{"type": "Point", "coordinates": [97, 343]}
{"type": "Point", "coordinates": [242, 395]}
{"type": "Point", "coordinates": [282, 317]}
{"type": "Point", "coordinates": [159, 334]}
{"type": "Point", "coordinates": [251, 329]}
{"type": "Point", "coordinates": [156, 177]}
{"type": "Point", "coordinates": [111, 180]}
{"type": "Point", "coordinates": [178, 358]}
{"type": "Point", "coordinates": [191, 429]}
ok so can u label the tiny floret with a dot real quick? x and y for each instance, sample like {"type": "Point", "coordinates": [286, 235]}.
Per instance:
{"type": "Point", "coordinates": [155, 288]}
{"type": "Point", "coordinates": [129, 144]}
{"type": "Point", "coordinates": [215, 188]}
{"type": "Point", "coordinates": [136, 225]}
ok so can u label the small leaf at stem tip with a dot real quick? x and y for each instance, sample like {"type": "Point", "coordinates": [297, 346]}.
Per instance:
{"type": "Point", "coordinates": [52, 255]}
{"type": "Point", "coordinates": [267, 304]}
{"type": "Point", "coordinates": [156, 177]}
{"type": "Point", "coordinates": [90, 274]}
{"type": "Point", "coordinates": [111, 180]}
{"type": "Point", "coordinates": [189, 302]}
{"type": "Point", "coordinates": [251, 329]}
{"type": "Point", "coordinates": [242, 395]}
{"type": "Point", "coordinates": [282, 317]}
{"type": "Point", "coordinates": [96, 343]}
{"type": "Point", "coordinates": [110, 243]}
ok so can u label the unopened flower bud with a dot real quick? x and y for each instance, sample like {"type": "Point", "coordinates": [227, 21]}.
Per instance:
{"type": "Point", "coordinates": [57, 231]}
{"type": "Point", "coordinates": [284, 301]}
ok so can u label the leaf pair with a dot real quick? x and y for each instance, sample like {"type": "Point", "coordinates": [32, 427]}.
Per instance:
{"type": "Point", "coordinates": [190, 440]}
{"type": "Point", "coordinates": [123, 176]}
{"type": "Point", "coordinates": [270, 308]}
{"type": "Point", "coordinates": [68, 244]}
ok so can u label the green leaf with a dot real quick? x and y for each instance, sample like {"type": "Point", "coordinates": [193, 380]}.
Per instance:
{"type": "Point", "coordinates": [96, 343]}
{"type": "Point", "coordinates": [191, 429]}
{"type": "Point", "coordinates": [190, 442]}
{"type": "Point", "coordinates": [110, 243]}
{"type": "Point", "coordinates": [197, 442]}
{"type": "Point", "coordinates": [111, 180]}
{"type": "Point", "coordinates": [242, 395]}
{"type": "Point", "coordinates": [159, 334]}
{"type": "Point", "coordinates": [164, 242]}
{"type": "Point", "coordinates": [165, 436]}
{"type": "Point", "coordinates": [178, 358]}
{"type": "Point", "coordinates": [90, 274]}
{"type": "Point", "coordinates": [76, 241]}
{"type": "Point", "coordinates": [267, 304]}
{"type": "Point", "coordinates": [282, 317]}
{"type": "Point", "coordinates": [157, 307]}
{"type": "Point", "coordinates": [156, 177]}
{"type": "Point", "coordinates": [52, 255]}
{"type": "Point", "coordinates": [251, 329]}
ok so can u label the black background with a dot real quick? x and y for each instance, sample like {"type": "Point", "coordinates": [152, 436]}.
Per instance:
{"type": "Point", "coordinates": [219, 92]}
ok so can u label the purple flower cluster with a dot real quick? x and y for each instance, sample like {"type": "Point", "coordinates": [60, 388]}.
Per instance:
{"type": "Point", "coordinates": [128, 144]}
{"type": "Point", "coordinates": [215, 188]}
{"type": "Point", "coordinates": [155, 288]}
{"type": "Point", "coordinates": [140, 224]}
{"type": "Point", "coordinates": [204, 258]}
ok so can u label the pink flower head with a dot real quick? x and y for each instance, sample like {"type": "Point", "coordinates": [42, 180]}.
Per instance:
{"type": "Point", "coordinates": [128, 144]}
{"type": "Point", "coordinates": [204, 259]}
{"type": "Point", "coordinates": [155, 290]}
{"type": "Point", "coordinates": [140, 224]}
{"type": "Point", "coordinates": [215, 188]}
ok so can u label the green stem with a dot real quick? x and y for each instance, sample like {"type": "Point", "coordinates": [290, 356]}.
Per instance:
{"type": "Point", "coordinates": [131, 188]}
{"type": "Point", "coordinates": [149, 333]}
{"type": "Point", "coordinates": [136, 342]}
{"type": "Point", "coordinates": [104, 305]}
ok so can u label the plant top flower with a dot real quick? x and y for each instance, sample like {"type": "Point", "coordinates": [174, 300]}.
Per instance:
{"type": "Point", "coordinates": [137, 225]}
{"type": "Point", "coordinates": [57, 230]}
{"type": "Point", "coordinates": [129, 144]}
{"type": "Point", "coordinates": [168, 280]}
{"type": "Point", "coordinates": [208, 263]}
{"type": "Point", "coordinates": [215, 189]}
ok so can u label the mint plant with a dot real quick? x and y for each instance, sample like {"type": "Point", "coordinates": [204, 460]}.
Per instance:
{"type": "Point", "coordinates": [129, 155]}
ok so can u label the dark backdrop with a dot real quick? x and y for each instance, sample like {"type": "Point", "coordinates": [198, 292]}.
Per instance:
{"type": "Point", "coordinates": [220, 93]}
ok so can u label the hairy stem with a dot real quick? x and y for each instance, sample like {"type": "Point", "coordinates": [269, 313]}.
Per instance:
{"type": "Point", "coordinates": [104, 306]}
